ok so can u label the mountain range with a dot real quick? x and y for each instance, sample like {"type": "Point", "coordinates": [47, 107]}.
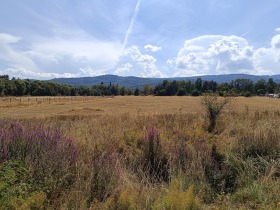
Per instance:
{"type": "Point", "coordinates": [134, 82]}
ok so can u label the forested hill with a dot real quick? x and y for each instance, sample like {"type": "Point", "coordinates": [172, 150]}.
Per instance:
{"type": "Point", "coordinates": [133, 82]}
{"type": "Point", "coordinates": [114, 85]}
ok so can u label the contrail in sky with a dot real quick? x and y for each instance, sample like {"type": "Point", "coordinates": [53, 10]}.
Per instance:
{"type": "Point", "coordinates": [131, 25]}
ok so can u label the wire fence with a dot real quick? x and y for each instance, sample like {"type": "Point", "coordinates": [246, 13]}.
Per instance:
{"type": "Point", "coordinates": [33, 100]}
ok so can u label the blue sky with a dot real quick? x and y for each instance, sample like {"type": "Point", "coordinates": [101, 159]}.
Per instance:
{"type": "Point", "coordinates": [147, 38]}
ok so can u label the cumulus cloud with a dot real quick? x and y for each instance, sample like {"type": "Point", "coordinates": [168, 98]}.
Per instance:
{"type": "Point", "coordinates": [88, 71]}
{"type": "Point", "coordinates": [47, 58]}
{"type": "Point", "coordinates": [152, 48]}
{"type": "Point", "coordinates": [143, 64]}
{"type": "Point", "coordinates": [268, 59]}
{"type": "Point", "coordinates": [217, 54]}
{"type": "Point", "coordinates": [123, 68]}
{"type": "Point", "coordinates": [277, 29]}
{"type": "Point", "coordinates": [275, 42]}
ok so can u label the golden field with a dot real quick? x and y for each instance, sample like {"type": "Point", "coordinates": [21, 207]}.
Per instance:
{"type": "Point", "coordinates": [145, 152]}
{"type": "Point", "coordinates": [40, 107]}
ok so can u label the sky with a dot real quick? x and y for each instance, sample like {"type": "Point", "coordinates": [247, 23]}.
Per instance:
{"type": "Point", "coordinates": [147, 38]}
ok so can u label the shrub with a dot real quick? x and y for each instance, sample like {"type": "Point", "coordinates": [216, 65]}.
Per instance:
{"type": "Point", "coordinates": [213, 108]}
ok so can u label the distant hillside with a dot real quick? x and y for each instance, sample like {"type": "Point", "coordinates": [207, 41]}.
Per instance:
{"type": "Point", "coordinates": [133, 82]}
{"type": "Point", "coordinates": [130, 82]}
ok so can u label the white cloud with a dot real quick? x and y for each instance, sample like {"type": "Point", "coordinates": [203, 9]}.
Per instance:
{"type": "Point", "coordinates": [268, 59]}
{"type": "Point", "coordinates": [216, 54]}
{"type": "Point", "coordinates": [275, 41]}
{"type": "Point", "coordinates": [25, 73]}
{"type": "Point", "coordinates": [8, 38]}
{"type": "Point", "coordinates": [152, 48]}
{"type": "Point", "coordinates": [143, 64]}
{"type": "Point", "coordinates": [12, 57]}
{"type": "Point", "coordinates": [80, 56]}
{"type": "Point", "coordinates": [277, 29]}
{"type": "Point", "coordinates": [122, 69]}
{"type": "Point", "coordinates": [89, 72]}
{"type": "Point", "coordinates": [101, 55]}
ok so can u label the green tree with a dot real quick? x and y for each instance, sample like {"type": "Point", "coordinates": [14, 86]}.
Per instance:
{"type": "Point", "coordinates": [195, 92]}
{"type": "Point", "coordinates": [20, 87]}
{"type": "Point", "coordinates": [146, 89]}
{"type": "Point", "coordinates": [181, 92]}
{"type": "Point", "coordinates": [122, 91]}
{"type": "Point", "coordinates": [271, 85]}
{"type": "Point", "coordinates": [172, 88]}
{"type": "Point", "coordinates": [10, 88]}
{"type": "Point", "coordinates": [2, 87]}
{"type": "Point", "coordinates": [198, 84]}
{"type": "Point", "coordinates": [137, 92]}
{"type": "Point", "coordinates": [114, 90]}
{"type": "Point", "coordinates": [260, 86]}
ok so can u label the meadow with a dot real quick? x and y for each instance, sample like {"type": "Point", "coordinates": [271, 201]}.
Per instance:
{"type": "Point", "coordinates": [138, 152]}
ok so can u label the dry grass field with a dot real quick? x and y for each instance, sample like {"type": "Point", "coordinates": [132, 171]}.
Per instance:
{"type": "Point", "coordinates": [138, 153]}
{"type": "Point", "coordinates": [41, 107]}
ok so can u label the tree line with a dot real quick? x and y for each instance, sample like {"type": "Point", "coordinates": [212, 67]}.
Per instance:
{"type": "Point", "coordinates": [238, 87]}
{"type": "Point", "coordinates": [19, 87]}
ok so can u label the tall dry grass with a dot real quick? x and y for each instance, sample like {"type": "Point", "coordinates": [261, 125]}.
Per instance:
{"type": "Point", "coordinates": [139, 159]}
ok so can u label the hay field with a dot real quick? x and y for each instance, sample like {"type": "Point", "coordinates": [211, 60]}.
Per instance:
{"type": "Point", "coordinates": [40, 107]}
{"type": "Point", "coordinates": [138, 152]}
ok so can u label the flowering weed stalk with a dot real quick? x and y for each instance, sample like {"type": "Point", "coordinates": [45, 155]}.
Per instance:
{"type": "Point", "coordinates": [50, 157]}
